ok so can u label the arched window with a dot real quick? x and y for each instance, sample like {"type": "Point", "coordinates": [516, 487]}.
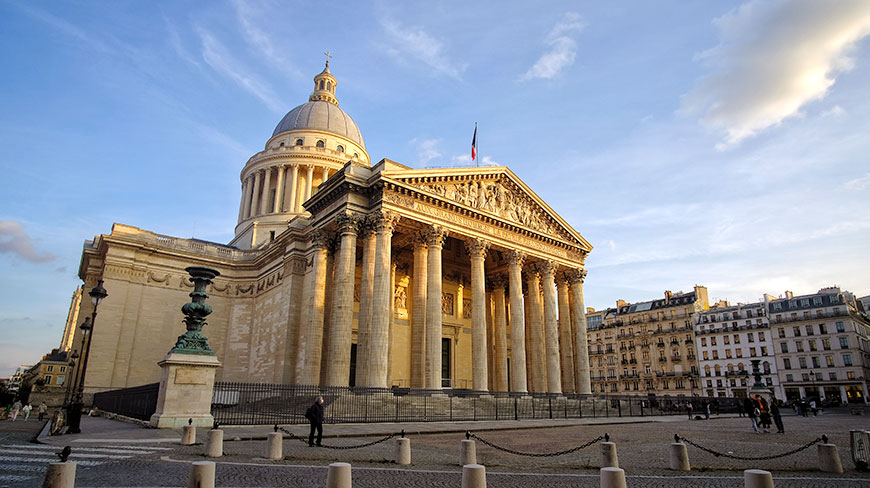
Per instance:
{"type": "Point", "coordinates": [282, 144]}
{"type": "Point", "coordinates": [298, 142]}
{"type": "Point", "coordinates": [329, 85]}
{"type": "Point", "coordinates": [321, 84]}
{"type": "Point", "coordinates": [340, 149]}
{"type": "Point", "coordinates": [356, 155]}
{"type": "Point", "coordinates": [766, 366]}
{"type": "Point", "coordinates": [320, 144]}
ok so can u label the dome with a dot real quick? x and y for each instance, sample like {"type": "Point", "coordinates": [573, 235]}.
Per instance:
{"type": "Point", "coordinates": [320, 115]}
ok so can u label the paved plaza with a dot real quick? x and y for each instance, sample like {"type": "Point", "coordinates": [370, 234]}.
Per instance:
{"type": "Point", "coordinates": [113, 453]}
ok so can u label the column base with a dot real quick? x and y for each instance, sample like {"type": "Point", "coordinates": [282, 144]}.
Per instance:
{"type": "Point", "coordinates": [186, 388]}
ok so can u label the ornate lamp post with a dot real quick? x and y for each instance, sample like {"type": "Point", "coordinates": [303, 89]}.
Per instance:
{"type": "Point", "coordinates": [74, 411]}
{"type": "Point", "coordinates": [813, 392]}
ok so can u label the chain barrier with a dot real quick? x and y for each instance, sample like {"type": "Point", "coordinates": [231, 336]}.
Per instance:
{"type": "Point", "coordinates": [367, 444]}
{"type": "Point", "coordinates": [600, 438]}
{"type": "Point", "coordinates": [822, 439]}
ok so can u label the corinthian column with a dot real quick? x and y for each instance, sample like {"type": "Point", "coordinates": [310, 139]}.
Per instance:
{"type": "Point", "coordinates": [341, 323]}
{"type": "Point", "coordinates": [538, 360]}
{"type": "Point", "coordinates": [292, 190]}
{"type": "Point", "coordinates": [255, 205]}
{"type": "Point", "coordinates": [581, 369]}
{"type": "Point", "coordinates": [279, 190]}
{"type": "Point", "coordinates": [364, 318]}
{"type": "Point", "coordinates": [243, 214]}
{"type": "Point", "coordinates": [384, 224]}
{"type": "Point", "coordinates": [518, 333]}
{"type": "Point", "coordinates": [499, 334]}
{"type": "Point", "coordinates": [477, 250]}
{"type": "Point", "coordinates": [309, 182]}
{"type": "Point", "coordinates": [435, 237]}
{"type": "Point", "coordinates": [267, 180]}
{"type": "Point", "coordinates": [310, 349]}
{"type": "Point", "coordinates": [566, 351]}
{"type": "Point", "coordinates": [551, 333]}
{"type": "Point", "coordinates": [418, 316]}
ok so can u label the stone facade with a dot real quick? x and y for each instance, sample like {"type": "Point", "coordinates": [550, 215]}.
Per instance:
{"type": "Point", "coordinates": [342, 273]}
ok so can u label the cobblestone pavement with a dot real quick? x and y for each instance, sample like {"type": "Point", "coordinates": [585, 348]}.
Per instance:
{"type": "Point", "coordinates": [642, 447]}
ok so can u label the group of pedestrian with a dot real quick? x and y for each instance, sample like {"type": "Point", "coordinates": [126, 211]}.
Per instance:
{"type": "Point", "coordinates": [705, 409]}
{"type": "Point", "coordinates": [803, 407]}
{"type": "Point", "coordinates": [16, 408]}
{"type": "Point", "coordinates": [760, 412]}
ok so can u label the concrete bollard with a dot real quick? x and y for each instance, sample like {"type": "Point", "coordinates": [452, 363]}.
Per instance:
{"type": "Point", "coordinates": [60, 475]}
{"type": "Point", "coordinates": [757, 478]}
{"type": "Point", "coordinates": [473, 476]}
{"type": "Point", "coordinates": [829, 458]}
{"type": "Point", "coordinates": [275, 446]}
{"type": "Point", "coordinates": [188, 436]}
{"type": "Point", "coordinates": [215, 447]}
{"type": "Point", "coordinates": [403, 451]}
{"type": "Point", "coordinates": [338, 476]}
{"type": "Point", "coordinates": [612, 478]}
{"type": "Point", "coordinates": [467, 453]}
{"type": "Point", "coordinates": [609, 458]}
{"type": "Point", "coordinates": [201, 475]}
{"type": "Point", "coordinates": [679, 457]}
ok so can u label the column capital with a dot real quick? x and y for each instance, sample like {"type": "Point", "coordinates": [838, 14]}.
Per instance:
{"type": "Point", "coordinates": [561, 279]}
{"type": "Point", "coordinates": [576, 276]}
{"type": "Point", "coordinates": [531, 272]}
{"type": "Point", "coordinates": [548, 268]}
{"type": "Point", "coordinates": [348, 222]}
{"type": "Point", "coordinates": [476, 247]}
{"type": "Point", "coordinates": [319, 239]}
{"type": "Point", "coordinates": [435, 236]}
{"type": "Point", "coordinates": [498, 281]}
{"type": "Point", "coordinates": [384, 220]}
{"type": "Point", "coordinates": [516, 258]}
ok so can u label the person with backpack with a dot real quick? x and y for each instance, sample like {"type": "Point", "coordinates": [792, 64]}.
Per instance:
{"type": "Point", "coordinates": [314, 414]}
{"type": "Point", "coordinates": [751, 409]}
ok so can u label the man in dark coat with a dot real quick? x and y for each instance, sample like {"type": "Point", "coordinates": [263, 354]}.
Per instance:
{"type": "Point", "coordinates": [314, 414]}
{"type": "Point", "coordinates": [750, 407]}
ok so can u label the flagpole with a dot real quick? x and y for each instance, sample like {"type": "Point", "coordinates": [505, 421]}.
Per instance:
{"type": "Point", "coordinates": [477, 147]}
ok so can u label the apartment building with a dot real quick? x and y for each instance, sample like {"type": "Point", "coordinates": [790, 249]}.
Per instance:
{"type": "Point", "coordinates": [647, 347]}
{"type": "Point", "coordinates": [728, 337]}
{"type": "Point", "coordinates": [822, 346]}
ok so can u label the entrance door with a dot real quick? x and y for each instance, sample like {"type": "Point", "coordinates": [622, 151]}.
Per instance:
{"type": "Point", "coordinates": [445, 363]}
{"type": "Point", "coordinates": [352, 365]}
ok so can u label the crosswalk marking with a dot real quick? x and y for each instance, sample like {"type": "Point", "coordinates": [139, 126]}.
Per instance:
{"type": "Point", "coordinates": [72, 456]}
{"type": "Point", "coordinates": [79, 448]}
{"type": "Point", "coordinates": [43, 460]}
{"type": "Point", "coordinates": [109, 450]}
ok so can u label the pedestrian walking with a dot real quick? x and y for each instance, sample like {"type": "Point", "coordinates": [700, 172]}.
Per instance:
{"type": "Point", "coordinates": [765, 414]}
{"type": "Point", "coordinates": [314, 414]}
{"type": "Point", "coordinates": [16, 407]}
{"type": "Point", "coordinates": [689, 409]}
{"type": "Point", "coordinates": [777, 417]}
{"type": "Point", "coordinates": [41, 410]}
{"type": "Point", "coordinates": [706, 407]}
{"type": "Point", "coordinates": [749, 407]}
{"type": "Point", "coordinates": [27, 409]}
{"type": "Point", "coordinates": [813, 408]}
{"type": "Point", "coordinates": [740, 410]}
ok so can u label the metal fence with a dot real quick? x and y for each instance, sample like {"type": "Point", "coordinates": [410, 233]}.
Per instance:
{"type": "Point", "coordinates": [138, 402]}
{"type": "Point", "coordinates": [268, 404]}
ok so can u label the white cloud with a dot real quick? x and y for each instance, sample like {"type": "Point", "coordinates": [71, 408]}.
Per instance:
{"type": "Point", "coordinates": [859, 183]}
{"type": "Point", "coordinates": [416, 43]}
{"type": "Point", "coordinates": [773, 58]}
{"type": "Point", "coordinates": [563, 49]}
{"type": "Point", "coordinates": [15, 240]}
{"type": "Point", "coordinates": [427, 150]}
{"type": "Point", "coordinates": [835, 111]}
{"type": "Point", "coordinates": [216, 55]}
{"type": "Point", "coordinates": [260, 40]}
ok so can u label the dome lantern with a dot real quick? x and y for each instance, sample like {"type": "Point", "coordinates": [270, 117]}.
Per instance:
{"type": "Point", "coordinates": [324, 85]}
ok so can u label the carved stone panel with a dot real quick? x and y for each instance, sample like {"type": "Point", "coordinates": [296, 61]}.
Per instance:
{"type": "Point", "coordinates": [447, 303]}
{"type": "Point", "coordinates": [466, 308]}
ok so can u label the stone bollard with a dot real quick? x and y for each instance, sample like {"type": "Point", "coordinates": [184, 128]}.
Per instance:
{"type": "Point", "coordinates": [829, 458]}
{"type": "Point", "coordinates": [612, 477]}
{"type": "Point", "coordinates": [275, 446]}
{"type": "Point", "coordinates": [201, 475]}
{"type": "Point", "coordinates": [679, 457]}
{"type": "Point", "coordinates": [215, 446]}
{"type": "Point", "coordinates": [188, 436]}
{"type": "Point", "coordinates": [60, 475]}
{"type": "Point", "coordinates": [467, 453]}
{"type": "Point", "coordinates": [338, 476]}
{"type": "Point", "coordinates": [757, 478]}
{"type": "Point", "coordinates": [473, 476]}
{"type": "Point", "coordinates": [403, 451]}
{"type": "Point", "coordinates": [609, 459]}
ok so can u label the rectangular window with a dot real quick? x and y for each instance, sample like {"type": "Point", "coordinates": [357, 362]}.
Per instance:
{"type": "Point", "coordinates": [826, 344]}
{"type": "Point", "coordinates": [786, 363]}
{"type": "Point", "coordinates": [817, 301]}
{"type": "Point", "coordinates": [726, 340]}
{"type": "Point", "coordinates": [728, 353]}
{"type": "Point", "coordinates": [850, 375]}
{"type": "Point", "coordinates": [63, 369]}
{"type": "Point", "coordinates": [781, 333]}
{"type": "Point", "coordinates": [832, 375]}
{"type": "Point", "coordinates": [783, 346]}
{"type": "Point", "coordinates": [736, 338]}
{"type": "Point", "coordinates": [802, 362]}
{"type": "Point", "coordinates": [809, 329]}
{"type": "Point", "coordinates": [815, 361]}
{"type": "Point", "coordinates": [829, 361]}
{"type": "Point", "coordinates": [761, 336]}
{"type": "Point", "coordinates": [847, 359]}
{"type": "Point", "coordinates": [823, 329]}
{"type": "Point", "coordinates": [800, 346]}
{"type": "Point", "coordinates": [796, 330]}
{"type": "Point", "coordinates": [752, 351]}
{"type": "Point", "coordinates": [750, 337]}
{"type": "Point", "coordinates": [805, 376]}
{"type": "Point", "coordinates": [812, 344]}
{"type": "Point", "coordinates": [704, 353]}
{"type": "Point", "coordinates": [739, 353]}
{"type": "Point", "coordinates": [777, 307]}
{"type": "Point", "coordinates": [48, 379]}
{"type": "Point", "coordinates": [49, 368]}
{"type": "Point", "coordinates": [60, 380]}
{"type": "Point", "coordinates": [703, 341]}
{"type": "Point", "coordinates": [792, 304]}
{"type": "Point", "coordinates": [789, 378]}
{"type": "Point", "coordinates": [805, 302]}
{"type": "Point", "coordinates": [715, 354]}
{"type": "Point", "coordinates": [712, 341]}
{"type": "Point", "coordinates": [764, 350]}
{"type": "Point", "coordinates": [844, 342]}
{"type": "Point", "coordinates": [841, 327]}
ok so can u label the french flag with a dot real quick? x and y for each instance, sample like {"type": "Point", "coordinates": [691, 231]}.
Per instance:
{"type": "Point", "coordinates": [474, 143]}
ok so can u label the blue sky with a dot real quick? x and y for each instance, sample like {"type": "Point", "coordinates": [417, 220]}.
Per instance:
{"type": "Point", "coordinates": [716, 143]}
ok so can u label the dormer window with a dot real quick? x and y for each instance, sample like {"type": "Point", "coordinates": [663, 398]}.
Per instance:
{"type": "Point", "coordinates": [340, 149]}
{"type": "Point", "coordinates": [320, 143]}
{"type": "Point", "coordinates": [298, 142]}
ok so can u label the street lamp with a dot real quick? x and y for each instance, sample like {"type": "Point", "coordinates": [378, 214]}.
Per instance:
{"type": "Point", "coordinates": [74, 413]}
{"type": "Point", "coordinates": [813, 383]}
{"type": "Point", "coordinates": [71, 379]}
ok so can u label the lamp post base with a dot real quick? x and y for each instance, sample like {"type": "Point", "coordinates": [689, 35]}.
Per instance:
{"type": "Point", "coordinates": [74, 418]}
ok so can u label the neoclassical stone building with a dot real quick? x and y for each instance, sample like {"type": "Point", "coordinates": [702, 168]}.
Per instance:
{"type": "Point", "coordinates": [346, 273]}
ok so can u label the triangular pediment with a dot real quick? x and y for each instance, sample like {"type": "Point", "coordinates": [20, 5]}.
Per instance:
{"type": "Point", "coordinates": [495, 191]}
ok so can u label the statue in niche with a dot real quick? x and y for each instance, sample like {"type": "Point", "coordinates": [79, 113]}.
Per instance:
{"type": "Point", "coordinates": [400, 298]}
{"type": "Point", "coordinates": [447, 303]}
{"type": "Point", "coordinates": [466, 308]}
